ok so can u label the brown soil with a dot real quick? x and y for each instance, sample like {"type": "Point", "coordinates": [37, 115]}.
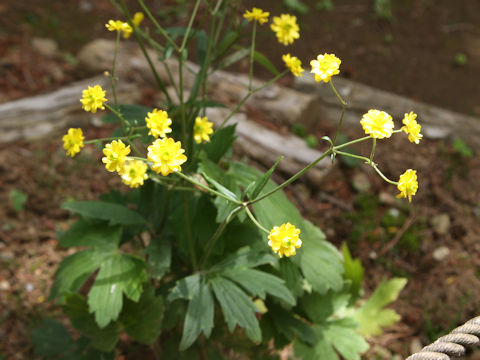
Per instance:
{"type": "Point", "coordinates": [418, 62]}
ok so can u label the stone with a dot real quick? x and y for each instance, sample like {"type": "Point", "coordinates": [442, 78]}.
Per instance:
{"type": "Point", "coordinates": [441, 224]}
{"type": "Point", "coordinates": [415, 345]}
{"type": "Point", "coordinates": [4, 285]}
{"type": "Point", "coordinates": [360, 182]}
{"type": "Point", "coordinates": [441, 253]}
{"type": "Point", "coordinates": [45, 47]}
{"type": "Point", "coordinates": [6, 256]}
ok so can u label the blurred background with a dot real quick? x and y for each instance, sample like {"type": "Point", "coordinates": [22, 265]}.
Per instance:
{"type": "Point", "coordinates": [424, 50]}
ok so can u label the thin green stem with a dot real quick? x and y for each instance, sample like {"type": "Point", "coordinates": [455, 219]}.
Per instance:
{"type": "Point", "coordinates": [351, 143]}
{"type": "Point", "coordinates": [112, 75]}
{"type": "Point", "coordinates": [182, 105]}
{"type": "Point", "coordinates": [247, 96]}
{"type": "Point", "coordinates": [383, 176]}
{"type": "Point", "coordinates": [189, 27]}
{"type": "Point", "coordinates": [292, 178]}
{"type": "Point", "coordinates": [191, 245]}
{"type": "Point", "coordinates": [255, 221]}
{"type": "Point", "coordinates": [367, 160]}
{"type": "Point", "coordinates": [159, 81]}
{"type": "Point", "coordinates": [252, 52]}
{"type": "Point", "coordinates": [206, 188]}
{"type": "Point", "coordinates": [158, 26]}
{"type": "Point", "coordinates": [218, 232]}
{"type": "Point", "coordinates": [119, 115]}
{"type": "Point", "coordinates": [93, 141]}
{"type": "Point", "coordinates": [344, 105]}
{"type": "Point", "coordinates": [374, 144]}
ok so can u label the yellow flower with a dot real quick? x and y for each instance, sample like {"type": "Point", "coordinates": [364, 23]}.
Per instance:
{"type": "Point", "coordinates": [378, 124]}
{"type": "Point", "coordinates": [294, 64]}
{"type": "Point", "coordinates": [133, 173]}
{"type": "Point", "coordinates": [412, 128]}
{"type": "Point", "coordinates": [202, 129]}
{"type": "Point", "coordinates": [286, 28]}
{"type": "Point", "coordinates": [137, 18]}
{"type": "Point", "coordinates": [115, 155]}
{"type": "Point", "coordinates": [407, 184]}
{"type": "Point", "coordinates": [159, 123]}
{"type": "Point", "coordinates": [73, 141]}
{"type": "Point", "coordinates": [93, 98]}
{"type": "Point", "coordinates": [120, 26]}
{"type": "Point", "coordinates": [166, 155]}
{"type": "Point", "coordinates": [325, 67]}
{"type": "Point", "coordinates": [257, 14]}
{"type": "Point", "coordinates": [284, 239]}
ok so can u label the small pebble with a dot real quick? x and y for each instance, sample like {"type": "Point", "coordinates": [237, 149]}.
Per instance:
{"type": "Point", "coordinates": [441, 253]}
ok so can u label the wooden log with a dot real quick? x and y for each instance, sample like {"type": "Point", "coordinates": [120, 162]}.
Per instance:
{"type": "Point", "coordinates": [265, 146]}
{"type": "Point", "coordinates": [37, 116]}
{"type": "Point", "coordinates": [436, 122]}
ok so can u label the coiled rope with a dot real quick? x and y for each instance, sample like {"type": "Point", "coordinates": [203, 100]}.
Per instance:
{"type": "Point", "coordinates": [452, 344]}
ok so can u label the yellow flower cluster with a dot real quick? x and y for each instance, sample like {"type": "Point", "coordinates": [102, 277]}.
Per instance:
{"type": "Point", "coordinates": [294, 64]}
{"type": "Point", "coordinates": [407, 184]}
{"type": "Point", "coordinates": [115, 155]}
{"type": "Point", "coordinates": [159, 123]}
{"type": "Point", "coordinates": [93, 99]}
{"type": "Point", "coordinates": [166, 155]}
{"type": "Point", "coordinates": [284, 239]}
{"type": "Point", "coordinates": [137, 18]}
{"type": "Point", "coordinates": [73, 141]}
{"type": "Point", "coordinates": [202, 129]}
{"type": "Point", "coordinates": [257, 14]}
{"type": "Point", "coordinates": [412, 128]}
{"type": "Point", "coordinates": [133, 173]}
{"type": "Point", "coordinates": [325, 66]}
{"type": "Point", "coordinates": [378, 124]}
{"type": "Point", "coordinates": [286, 28]}
{"type": "Point", "coordinates": [119, 26]}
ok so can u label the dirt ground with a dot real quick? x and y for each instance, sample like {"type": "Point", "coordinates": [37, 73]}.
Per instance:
{"type": "Point", "coordinates": [433, 242]}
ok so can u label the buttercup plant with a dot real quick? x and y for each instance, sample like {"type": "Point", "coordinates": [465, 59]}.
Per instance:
{"type": "Point", "coordinates": [181, 257]}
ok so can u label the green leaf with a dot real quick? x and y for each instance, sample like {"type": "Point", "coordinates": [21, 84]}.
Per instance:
{"type": "Point", "coordinates": [18, 199]}
{"type": "Point", "coordinates": [227, 42]}
{"type": "Point", "coordinates": [88, 233]}
{"type": "Point", "coordinates": [263, 60]}
{"type": "Point", "coordinates": [115, 214]}
{"type": "Point", "coordinates": [119, 274]}
{"type": "Point", "coordinates": [142, 320]}
{"type": "Point", "coordinates": [74, 270]}
{"type": "Point", "coordinates": [339, 335]}
{"type": "Point", "coordinates": [221, 141]}
{"type": "Point", "coordinates": [237, 308]}
{"type": "Point", "coordinates": [319, 308]}
{"type": "Point", "coordinates": [245, 257]}
{"type": "Point", "coordinates": [202, 43]}
{"type": "Point", "coordinates": [159, 258]}
{"type": "Point", "coordinates": [371, 317]}
{"type": "Point", "coordinates": [261, 182]}
{"type": "Point", "coordinates": [353, 272]}
{"type": "Point", "coordinates": [296, 5]}
{"type": "Point", "coordinates": [134, 114]}
{"type": "Point", "coordinates": [50, 339]}
{"type": "Point", "coordinates": [342, 335]}
{"type": "Point", "coordinates": [259, 283]}
{"type": "Point", "coordinates": [321, 350]}
{"type": "Point", "coordinates": [233, 58]}
{"type": "Point", "coordinates": [319, 260]}
{"type": "Point", "coordinates": [76, 309]}
{"type": "Point", "coordinates": [293, 279]}
{"type": "Point", "coordinates": [290, 325]}
{"type": "Point", "coordinates": [185, 288]}
{"type": "Point", "coordinates": [199, 316]}
{"type": "Point", "coordinates": [222, 189]}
